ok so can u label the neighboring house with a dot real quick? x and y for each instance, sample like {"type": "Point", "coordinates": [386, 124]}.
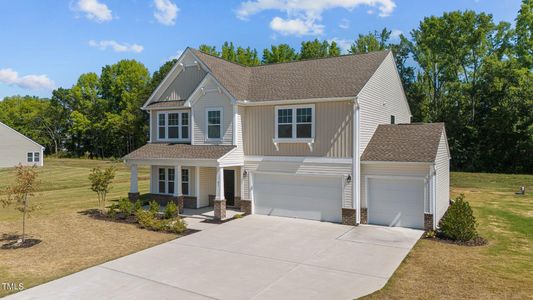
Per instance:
{"type": "Point", "coordinates": [16, 148]}
{"type": "Point", "coordinates": [302, 139]}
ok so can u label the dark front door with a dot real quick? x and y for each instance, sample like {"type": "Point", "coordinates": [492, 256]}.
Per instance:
{"type": "Point", "coordinates": [229, 187]}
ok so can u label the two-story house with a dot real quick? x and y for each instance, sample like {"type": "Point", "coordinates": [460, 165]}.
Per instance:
{"type": "Point", "coordinates": [325, 139]}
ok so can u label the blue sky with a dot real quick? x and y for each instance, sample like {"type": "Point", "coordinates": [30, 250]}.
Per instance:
{"type": "Point", "coordinates": [48, 44]}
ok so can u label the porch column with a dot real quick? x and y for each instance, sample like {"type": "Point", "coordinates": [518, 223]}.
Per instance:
{"type": "Point", "coordinates": [134, 189]}
{"type": "Point", "coordinates": [220, 201]}
{"type": "Point", "coordinates": [178, 193]}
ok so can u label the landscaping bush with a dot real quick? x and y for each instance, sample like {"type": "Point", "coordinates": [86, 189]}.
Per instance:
{"type": "Point", "coordinates": [170, 210]}
{"type": "Point", "coordinates": [459, 223]}
{"type": "Point", "coordinates": [147, 220]}
{"type": "Point", "coordinates": [153, 208]}
{"type": "Point", "coordinates": [137, 206]}
{"type": "Point", "coordinates": [125, 207]}
{"type": "Point", "coordinates": [176, 225]}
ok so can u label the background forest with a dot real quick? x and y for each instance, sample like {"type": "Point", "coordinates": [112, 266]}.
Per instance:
{"type": "Point", "coordinates": [460, 68]}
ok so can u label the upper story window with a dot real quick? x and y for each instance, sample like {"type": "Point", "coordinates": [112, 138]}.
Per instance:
{"type": "Point", "coordinates": [392, 119]}
{"type": "Point", "coordinates": [173, 126]}
{"type": "Point", "coordinates": [214, 123]}
{"type": "Point", "coordinates": [295, 122]}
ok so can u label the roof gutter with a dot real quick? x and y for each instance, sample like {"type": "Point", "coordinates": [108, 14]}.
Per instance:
{"type": "Point", "coordinates": [293, 101]}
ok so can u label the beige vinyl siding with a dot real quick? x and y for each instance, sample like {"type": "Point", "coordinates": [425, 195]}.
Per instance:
{"type": "Point", "coordinates": [381, 97]}
{"type": "Point", "coordinates": [212, 99]}
{"type": "Point", "coordinates": [442, 166]}
{"type": "Point", "coordinates": [154, 121]}
{"type": "Point", "coordinates": [207, 185]}
{"type": "Point", "coordinates": [14, 148]}
{"type": "Point", "coordinates": [285, 167]}
{"type": "Point", "coordinates": [392, 169]}
{"type": "Point", "coordinates": [183, 85]}
{"type": "Point", "coordinates": [236, 156]}
{"type": "Point", "coordinates": [333, 132]}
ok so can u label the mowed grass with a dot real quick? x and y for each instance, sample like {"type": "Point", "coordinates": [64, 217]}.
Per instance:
{"type": "Point", "coordinates": [71, 241]}
{"type": "Point", "coordinates": [501, 270]}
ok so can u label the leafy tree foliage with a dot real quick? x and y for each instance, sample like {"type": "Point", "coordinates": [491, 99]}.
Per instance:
{"type": "Point", "coordinates": [101, 183]}
{"type": "Point", "coordinates": [278, 54]}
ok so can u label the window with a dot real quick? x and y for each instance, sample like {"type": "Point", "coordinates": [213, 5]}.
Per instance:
{"type": "Point", "coordinates": [30, 156]}
{"type": "Point", "coordinates": [36, 156]}
{"type": "Point", "coordinates": [185, 181]}
{"type": "Point", "coordinates": [166, 180]}
{"type": "Point", "coordinates": [392, 119]}
{"type": "Point", "coordinates": [214, 123]}
{"type": "Point", "coordinates": [162, 181]}
{"type": "Point", "coordinates": [295, 122]}
{"type": "Point", "coordinates": [173, 126]}
{"type": "Point", "coordinates": [170, 181]}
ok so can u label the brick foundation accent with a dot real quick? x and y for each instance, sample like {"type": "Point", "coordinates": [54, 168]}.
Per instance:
{"type": "Point", "coordinates": [246, 206]}
{"type": "Point", "coordinates": [237, 202]}
{"type": "Point", "coordinates": [348, 216]}
{"type": "Point", "coordinates": [364, 215]}
{"type": "Point", "coordinates": [189, 202]}
{"type": "Point", "coordinates": [164, 199]}
{"type": "Point", "coordinates": [220, 209]}
{"type": "Point", "coordinates": [428, 221]}
{"type": "Point", "coordinates": [211, 200]}
{"type": "Point", "coordinates": [134, 196]}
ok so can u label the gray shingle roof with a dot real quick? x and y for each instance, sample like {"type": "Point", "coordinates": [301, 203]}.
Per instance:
{"type": "Point", "coordinates": [179, 151]}
{"type": "Point", "coordinates": [342, 76]}
{"type": "Point", "coordinates": [404, 143]}
{"type": "Point", "coordinates": [166, 104]}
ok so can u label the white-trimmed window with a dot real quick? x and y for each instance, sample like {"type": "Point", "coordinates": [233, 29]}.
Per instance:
{"type": "Point", "coordinates": [185, 181]}
{"type": "Point", "coordinates": [294, 123]}
{"type": "Point", "coordinates": [30, 157]}
{"type": "Point", "coordinates": [166, 180]}
{"type": "Point", "coordinates": [173, 126]}
{"type": "Point", "coordinates": [36, 156]}
{"type": "Point", "coordinates": [214, 123]}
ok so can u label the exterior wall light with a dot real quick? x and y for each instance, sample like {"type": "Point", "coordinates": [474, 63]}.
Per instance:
{"type": "Point", "coordinates": [349, 179]}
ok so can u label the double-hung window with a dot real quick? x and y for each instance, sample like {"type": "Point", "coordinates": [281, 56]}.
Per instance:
{"type": "Point", "coordinates": [33, 157]}
{"type": "Point", "coordinates": [185, 181]}
{"type": "Point", "coordinates": [214, 123]}
{"type": "Point", "coordinates": [295, 123]}
{"type": "Point", "coordinates": [166, 180]}
{"type": "Point", "coordinates": [173, 126]}
{"type": "Point", "coordinates": [30, 156]}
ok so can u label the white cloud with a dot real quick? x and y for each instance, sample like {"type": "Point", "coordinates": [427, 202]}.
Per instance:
{"type": "Point", "coordinates": [344, 24]}
{"type": "Point", "coordinates": [395, 34]}
{"type": "Point", "coordinates": [94, 10]}
{"type": "Point", "coordinates": [297, 27]}
{"type": "Point", "coordinates": [116, 46]}
{"type": "Point", "coordinates": [166, 12]}
{"type": "Point", "coordinates": [179, 52]}
{"type": "Point", "coordinates": [31, 82]}
{"type": "Point", "coordinates": [342, 43]}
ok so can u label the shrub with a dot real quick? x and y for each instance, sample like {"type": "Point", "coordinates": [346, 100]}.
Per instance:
{"type": "Point", "coordinates": [137, 206]}
{"type": "Point", "coordinates": [176, 225]}
{"type": "Point", "coordinates": [237, 216]}
{"type": "Point", "coordinates": [112, 211]}
{"type": "Point", "coordinates": [154, 208]}
{"type": "Point", "coordinates": [170, 210]}
{"type": "Point", "coordinates": [125, 206]}
{"type": "Point", "coordinates": [147, 220]}
{"type": "Point", "coordinates": [459, 223]}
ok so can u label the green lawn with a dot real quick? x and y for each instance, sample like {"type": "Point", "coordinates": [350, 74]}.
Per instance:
{"type": "Point", "coordinates": [501, 270]}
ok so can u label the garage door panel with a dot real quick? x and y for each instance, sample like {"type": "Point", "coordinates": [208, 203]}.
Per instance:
{"type": "Point", "coordinates": [396, 202]}
{"type": "Point", "coordinates": [306, 197]}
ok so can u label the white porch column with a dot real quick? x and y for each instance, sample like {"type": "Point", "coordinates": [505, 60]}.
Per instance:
{"type": "Point", "coordinates": [220, 184]}
{"type": "Point", "coordinates": [134, 188]}
{"type": "Point", "coordinates": [177, 181]}
{"type": "Point", "coordinates": [197, 185]}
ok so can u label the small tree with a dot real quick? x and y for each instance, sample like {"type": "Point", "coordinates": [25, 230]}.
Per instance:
{"type": "Point", "coordinates": [20, 191]}
{"type": "Point", "coordinates": [101, 183]}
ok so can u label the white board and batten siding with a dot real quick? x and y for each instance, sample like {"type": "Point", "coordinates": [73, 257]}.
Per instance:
{"type": "Point", "coordinates": [442, 166]}
{"type": "Point", "coordinates": [14, 149]}
{"type": "Point", "coordinates": [381, 97]}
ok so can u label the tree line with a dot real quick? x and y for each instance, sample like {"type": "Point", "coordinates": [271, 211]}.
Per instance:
{"type": "Point", "coordinates": [461, 68]}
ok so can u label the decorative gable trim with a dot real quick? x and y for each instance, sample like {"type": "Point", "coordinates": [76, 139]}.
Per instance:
{"type": "Point", "coordinates": [202, 89]}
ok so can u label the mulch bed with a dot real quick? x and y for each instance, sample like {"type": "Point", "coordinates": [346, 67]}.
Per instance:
{"type": "Point", "coordinates": [475, 242]}
{"type": "Point", "coordinates": [14, 241]}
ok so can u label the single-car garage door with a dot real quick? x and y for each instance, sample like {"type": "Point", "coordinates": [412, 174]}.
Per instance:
{"type": "Point", "coordinates": [306, 197]}
{"type": "Point", "coordinates": [396, 202]}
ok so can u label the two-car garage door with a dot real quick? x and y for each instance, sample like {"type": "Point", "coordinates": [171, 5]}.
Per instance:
{"type": "Point", "coordinates": [305, 197]}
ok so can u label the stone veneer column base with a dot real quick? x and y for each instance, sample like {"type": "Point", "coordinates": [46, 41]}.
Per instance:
{"type": "Point", "coordinates": [348, 216]}
{"type": "Point", "coordinates": [180, 204]}
{"type": "Point", "coordinates": [220, 209]}
{"type": "Point", "coordinates": [428, 221]}
{"type": "Point", "coordinates": [133, 196]}
{"type": "Point", "coordinates": [246, 206]}
{"type": "Point", "coordinates": [364, 215]}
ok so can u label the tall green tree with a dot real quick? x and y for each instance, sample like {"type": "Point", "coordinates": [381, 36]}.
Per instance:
{"type": "Point", "coordinates": [524, 34]}
{"type": "Point", "coordinates": [371, 42]}
{"type": "Point", "coordinates": [314, 49]}
{"type": "Point", "coordinates": [209, 49]}
{"type": "Point", "coordinates": [278, 54]}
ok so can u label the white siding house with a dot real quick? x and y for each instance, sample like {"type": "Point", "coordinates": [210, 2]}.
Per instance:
{"type": "Point", "coordinates": [16, 148]}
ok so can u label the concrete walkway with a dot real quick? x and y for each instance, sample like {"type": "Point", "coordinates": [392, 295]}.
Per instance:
{"type": "Point", "coordinates": [257, 257]}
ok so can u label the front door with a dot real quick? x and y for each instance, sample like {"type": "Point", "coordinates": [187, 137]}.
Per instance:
{"type": "Point", "coordinates": [229, 187]}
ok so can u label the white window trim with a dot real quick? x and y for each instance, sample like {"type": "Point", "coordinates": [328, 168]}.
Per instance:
{"type": "Point", "coordinates": [31, 156]}
{"type": "Point", "coordinates": [309, 141]}
{"type": "Point", "coordinates": [167, 181]}
{"type": "Point", "coordinates": [207, 110]}
{"type": "Point", "coordinates": [188, 181]}
{"type": "Point", "coordinates": [180, 116]}
{"type": "Point", "coordinates": [36, 157]}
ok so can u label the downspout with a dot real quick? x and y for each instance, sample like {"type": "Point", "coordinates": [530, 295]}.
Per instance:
{"type": "Point", "coordinates": [433, 209]}
{"type": "Point", "coordinates": [356, 163]}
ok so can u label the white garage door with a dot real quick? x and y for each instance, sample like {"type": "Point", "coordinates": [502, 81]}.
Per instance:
{"type": "Point", "coordinates": [305, 197]}
{"type": "Point", "coordinates": [396, 202]}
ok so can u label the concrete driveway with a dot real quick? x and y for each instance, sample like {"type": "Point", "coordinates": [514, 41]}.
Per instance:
{"type": "Point", "coordinates": [257, 257]}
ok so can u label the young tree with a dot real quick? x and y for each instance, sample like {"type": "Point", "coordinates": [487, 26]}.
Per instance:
{"type": "Point", "coordinates": [20, 191]}
{"type": "Point", "coordinates": [101, 183]}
